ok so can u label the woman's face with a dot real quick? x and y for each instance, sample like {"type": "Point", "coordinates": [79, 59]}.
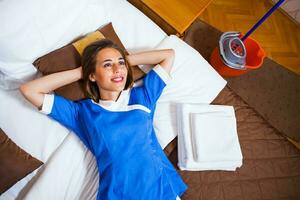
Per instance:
{"type": "Point", "coordinates": [110, 72]}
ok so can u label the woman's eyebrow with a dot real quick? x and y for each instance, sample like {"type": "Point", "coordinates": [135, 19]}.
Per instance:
{"type": "Point", "coordinates": [107, 60]}
{"type": "Point", "coordinates": [121, 58]}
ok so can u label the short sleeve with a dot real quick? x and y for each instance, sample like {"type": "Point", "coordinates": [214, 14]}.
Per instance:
{"type": "Point", "coordinates": [154, 83]}
{"type": "Point", "coordinates": [65, 111]}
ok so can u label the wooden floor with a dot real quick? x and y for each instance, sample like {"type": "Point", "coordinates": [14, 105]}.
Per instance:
{"type": "Point", "coordinates": [278, 35]}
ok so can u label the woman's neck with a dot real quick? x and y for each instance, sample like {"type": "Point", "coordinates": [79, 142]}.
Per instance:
{"type": "Point", "coordinates": [109, 96]}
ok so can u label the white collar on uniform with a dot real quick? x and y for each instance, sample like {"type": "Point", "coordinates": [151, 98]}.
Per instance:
{"type": "Point", "coordinates": [122, 103]}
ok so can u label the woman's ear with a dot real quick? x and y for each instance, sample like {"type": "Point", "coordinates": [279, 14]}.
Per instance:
{"type": "Point", "coordinates": [92, 77]}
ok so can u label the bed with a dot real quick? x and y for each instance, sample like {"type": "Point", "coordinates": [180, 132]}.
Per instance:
{"type": "Point", "coordinates": [69, 170]}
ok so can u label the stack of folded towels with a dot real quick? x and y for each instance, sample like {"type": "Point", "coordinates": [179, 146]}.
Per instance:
{"type": "Point", "coordinates": [207, 138]}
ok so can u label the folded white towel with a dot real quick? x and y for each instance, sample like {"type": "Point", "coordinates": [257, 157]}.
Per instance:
{"type": "Point", "coordinates": [207, 138]}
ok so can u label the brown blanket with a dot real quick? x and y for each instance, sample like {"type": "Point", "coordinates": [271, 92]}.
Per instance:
{"type": "Point", "coordinates": [271, 165]}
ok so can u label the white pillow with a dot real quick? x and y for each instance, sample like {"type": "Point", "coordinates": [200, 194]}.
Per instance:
{"type": "Point", "coordinates": [194, 81]}
{"type": "Point", "coordinates": [33, 28]}
{"type": "Point", "coordinates": [134, 28]}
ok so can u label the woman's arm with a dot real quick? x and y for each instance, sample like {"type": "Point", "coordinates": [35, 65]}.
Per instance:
{"type": "Point", "coordinates": [137, 73]}
{"type": "Point", "coordinates": [35, 90]}
{"type": "Point", "coordinates": [163, 57]}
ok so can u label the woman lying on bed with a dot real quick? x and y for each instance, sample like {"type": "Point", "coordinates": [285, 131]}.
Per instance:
{"type": "Point", "coordinates": [116, 121]}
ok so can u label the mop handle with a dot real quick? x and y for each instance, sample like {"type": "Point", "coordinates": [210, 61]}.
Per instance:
{"type": "Point", "coordinates": [263, 19]}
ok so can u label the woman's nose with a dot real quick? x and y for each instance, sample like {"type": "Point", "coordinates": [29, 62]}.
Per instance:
{"type": "Point", "coordinates": [116, 67]}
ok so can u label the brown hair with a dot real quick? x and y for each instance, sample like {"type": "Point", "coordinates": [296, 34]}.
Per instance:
{"type": "Point", "coordinates": [88, 61]}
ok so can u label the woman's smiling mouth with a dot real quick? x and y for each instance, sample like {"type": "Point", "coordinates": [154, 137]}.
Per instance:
{"type": "Point", "coordinates": [117, 79]}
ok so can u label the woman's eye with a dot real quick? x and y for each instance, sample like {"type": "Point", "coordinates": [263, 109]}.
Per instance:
{"type": "Point", "coordinates": [107, 65]}
{"type": "Point", "coordinates": [122, 63]}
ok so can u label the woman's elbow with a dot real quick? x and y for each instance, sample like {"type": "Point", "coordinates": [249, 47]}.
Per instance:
{"type": "Point", "coordinates": [171, 54]}
{"type": "Point", "coordinates": [169, 60]}
{"type": "Point", "coordinates": [24, 89]}
{"type": "Point", "coordinates": [172, 51]}
{"type": "Point", "coordinates": [32, 96]}
{"type": "Point", "coordinates": [26, 92]}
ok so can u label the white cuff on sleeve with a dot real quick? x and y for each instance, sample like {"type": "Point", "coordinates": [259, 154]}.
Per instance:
{"type": "Point", "coordinates": [47, 103]}
{"type": "Point", "coordinates": [145, 68]}
{"type": "Point", "coordinates": [162, 73]}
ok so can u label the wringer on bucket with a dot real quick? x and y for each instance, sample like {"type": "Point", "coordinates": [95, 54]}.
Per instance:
{"type": "Point", "coordinates": [232, 50]}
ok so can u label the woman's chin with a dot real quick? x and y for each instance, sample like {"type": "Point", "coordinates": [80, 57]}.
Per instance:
{"type": "Point", "coordinates": [119, 88]}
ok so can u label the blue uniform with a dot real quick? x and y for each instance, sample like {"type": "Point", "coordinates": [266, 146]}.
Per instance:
{"type": "Point", "coordinates": [120, 134]}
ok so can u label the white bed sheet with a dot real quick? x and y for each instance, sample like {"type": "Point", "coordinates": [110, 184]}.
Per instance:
{"type": "Point", "coordinates": [70, 174]}
{"type": "Point", "coordinates": [32, 131]}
